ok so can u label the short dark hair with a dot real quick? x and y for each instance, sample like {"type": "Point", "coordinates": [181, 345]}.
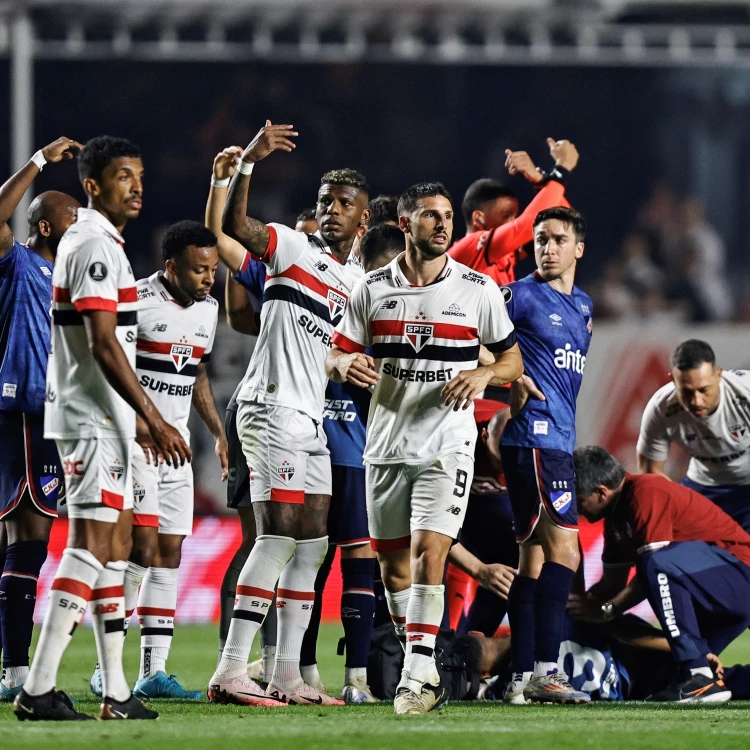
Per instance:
{"type": "Point", "coordinates": [384, 239]}
{"type": "Point", "coordinates": [99, 152]}
{"type": "Point", "coordinates": [483, 191]}
{"type": "Point", "coordinates": [469, 647]}
{"type": "Point", "coordinates": [595, 466]}
{"type": "Point", "coordinates": [566, 215]}
{"type": "Point", "coordinates": [691, 354]}
{"type": "Point", "coordinates": [184, 233]}
{"type": "Point", "coordinates": [307, 215]}
{"type": "Point", "coordinates": [346, 177]}
{"type": "Point", "coordinates": [382, 209]}
{"type": "Point", "coordinates": [408, 200]}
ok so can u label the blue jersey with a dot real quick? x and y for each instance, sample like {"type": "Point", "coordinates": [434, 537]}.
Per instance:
{"type": "Point", "coordinates": [253, 278]}
{"type": "Point", "coordinates": [554, 332]}
{"type": "Point", "coordinates": [25, 302]}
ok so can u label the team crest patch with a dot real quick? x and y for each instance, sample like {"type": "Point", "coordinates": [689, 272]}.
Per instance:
{"type": "Point", "coordinates": [336, 303]}
{"type": "Point", "coordinates": [561, 500]}
{"type": "Point", "coordinates": [418, 335]}
{"type": "Point", "coordinates": [50, 486]}
{"type": "Point", "coordinates": [285, 471]}
{"type": "Point", "coordinates": [589, 323]}
{"type": "Point", "coordinates": [98, 271]}
{"type": "Point", "coordinates": [116, 470]}
{"type": "Point", "coordinates": [737, 430]}
{"type": "Point", "coordinates": [139, 493]}
{"type": "Point", "coordinates": [181, 353]}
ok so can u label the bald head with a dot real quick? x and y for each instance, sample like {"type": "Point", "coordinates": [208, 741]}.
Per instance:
{"type": "Point", "coordinates": [50, 215]}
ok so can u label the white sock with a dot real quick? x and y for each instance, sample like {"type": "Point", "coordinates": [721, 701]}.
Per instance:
{"type": "Point", "coordinates": [255, 587]}
{"type": "Point", "coordinates": [355, 674]}
{"type": "Point", "coordinates": [157, 603]}
{"type": "Point", "coordinates": [69, 594]}
{"type": "Point", "coordinates": [133, 577]}
{"type": "Point", "coordinates": [423, 618]}
{"type": "Point", "coordinates": [310, 674]}
{"type": "Point", "coordinates": [294, 602]}
{"type": "Point", "coordinates": [108, 617]}
{"type": "Point", "coordinates": [398, 603]}
{"type": "Point", "coordinates": [269, 659]}
{"type": "Point", "coordinates": [14, 676]}
{"type": "Point", "coordinates": [543, 668]}
{"type": "Point", "coordinates": [705, 671]}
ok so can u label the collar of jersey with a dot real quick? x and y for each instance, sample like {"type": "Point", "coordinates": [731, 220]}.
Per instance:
{"type": "Point", "coordinates": [399, 274]}
{"type": "Point", "coordinates": [157, 279]}
{"type": "Point", "coordinates": [92, 216]}
{"type": "Point", "coordinates": [327, 247]}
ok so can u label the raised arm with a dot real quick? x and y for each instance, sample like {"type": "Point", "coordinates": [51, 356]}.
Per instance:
{"type": "Point", "coordinates": [13, 190]}
{"type": "Point", "coordinates": [205, 404]}
{"type": "Point", "coordinates": [253, 234]}
{"type": "Point", "coordinates": [231, 253]}
{"type": "Point", "coordinates": [241, 315]}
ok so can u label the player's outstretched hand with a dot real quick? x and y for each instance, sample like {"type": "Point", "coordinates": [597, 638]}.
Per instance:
{"type": "Point", "coordinates": [519, 162]}
{"type": "Point", "coordinates": [465, 387]}
{"type": "Point", "coordinates": [564, 153]}
{"type": "Point", "coordinates": [521, 391]}
{"type": "Point", "coordinates": [270, 138]}
{"type": "Point", "coordinates": [497, 578]}
{"type": "Point", "coordinates": [221, 449]}
{"type": "Point", "coordinates": [61, 149]}
{"type": "Point", "coordinates": [357, 369]}
{"type": "Point", "coordinates": [171, 446]}
{"type": "Point", "coordinates": [585, 607]}
{"type": "Point", "coordinates": [225, 163]}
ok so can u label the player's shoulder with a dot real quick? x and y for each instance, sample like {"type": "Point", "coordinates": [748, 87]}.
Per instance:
{"type": "Point", "coordinates": [664, 402]}
{"type": "Point", "coordinates": [148, 290]}
{"type": "Point", "coordinates": [737, 379]}
{"type": "Point", "coordinates": [463, 274]}
{"type": "Point", "coordinates": [377, 280]}
{"type": "Point", "coordinates": [213, 305]}
{"type": "Point", "coordinates": [587, 304]}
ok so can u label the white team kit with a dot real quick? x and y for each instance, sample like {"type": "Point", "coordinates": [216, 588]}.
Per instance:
{"type": "Point", "coordinates": [718, 445]}
{"type": "Point", "coordinates": [279, 418]}
{"type": "Point", "coordinates": [420, 453]}
{"type": "Point", "coordinates": [93, 426]}
{"type": "Point", "coordinates": [172, 341]}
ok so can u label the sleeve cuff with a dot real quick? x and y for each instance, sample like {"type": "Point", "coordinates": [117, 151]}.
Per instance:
{"type": "Point", "coordinates": [95, 303]}
{"type": "Point", "coordinates": [502, 346]}
{"type": "Point", "coordinates": [245, 263]}
{"type": "Point", "coordinates": [345, 344]}
{"type": "Point", "coordinates": [273, 239]}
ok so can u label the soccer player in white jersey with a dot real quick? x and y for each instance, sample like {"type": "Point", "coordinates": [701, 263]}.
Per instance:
{"type": "Point", "coordinates": [280, 414]}
{"type": "Point", "coordinates": [177, 320]}
{"type": "Point", "coordinates": [706, 411]}
{"type": "Point", "coordinates": [92, 398]}
{"type": "Point", "coordinates": [425, 316]}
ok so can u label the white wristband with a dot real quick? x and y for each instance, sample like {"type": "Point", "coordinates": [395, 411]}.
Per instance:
{"type": "Point", "coordinates": [39, 159]}
{"type": "Point", "coordinates": [220, 183]}
{"type": "Point", "coordinates": [245, 167]}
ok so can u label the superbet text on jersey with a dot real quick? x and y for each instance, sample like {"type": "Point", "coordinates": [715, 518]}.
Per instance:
{"type": "Point", "coordinates": [421, 338]}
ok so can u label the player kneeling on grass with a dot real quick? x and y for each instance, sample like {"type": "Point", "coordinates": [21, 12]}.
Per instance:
{"type": "Point", "coordinates": [176, 325]}
{"type": "Point", "coordinates": [693, 565]}
{"type": "Point", "coordinates": [424, 315]}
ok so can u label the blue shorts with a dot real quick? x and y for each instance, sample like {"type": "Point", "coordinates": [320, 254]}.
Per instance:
{"type": "Point", "coordinates": [733, 499]}
{"type": "Point", "coordinates": [540, 478]}
{"type": "Point", "coordinates": [28, 462]}
{"type": "Point", "coordinates": [347, 517]}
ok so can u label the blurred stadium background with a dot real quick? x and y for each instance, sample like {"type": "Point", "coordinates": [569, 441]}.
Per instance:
{"type": "Point", "coordinates": [656, 95]}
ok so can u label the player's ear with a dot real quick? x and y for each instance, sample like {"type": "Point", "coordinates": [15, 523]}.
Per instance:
{"type": "Point", "coordinates": [403, 224]}
{"type": "Point", "coordinates": [477, 217]}
{"type": "Point", "coordinates": [91, 186]}
{"type": "Point", "coordinates": [44, 228]}
{"type": "Point", "coordinates": [365, 217]}
{"type": "Point", "coordinates": [579, 249]}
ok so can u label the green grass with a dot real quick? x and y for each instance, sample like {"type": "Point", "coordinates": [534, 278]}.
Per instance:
{"type": "Point", "coordinates": [458, 726]}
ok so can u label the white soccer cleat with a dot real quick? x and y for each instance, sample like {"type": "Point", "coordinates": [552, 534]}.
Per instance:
{"type": "Point", "coordinates": [255, 670]}
{"type": "Point", "coordinates": [514, 692]}
{"type": "Point", "coordinates": [554, 688]}
{"type": "Point", "coordinates": [357, 692]}
{"type": "Point", "coordinates": [419, 699]}
{"type": "Point", "coordinates": [306, 695]}
{"type": "Point", "coordinates": [241, 690]}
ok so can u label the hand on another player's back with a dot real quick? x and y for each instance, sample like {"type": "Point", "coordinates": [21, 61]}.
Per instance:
{"type": "Point", "coordinates": [225, 162]}
{"type": "Point", "coordinates": [519, 162]}
{"type": "Point", "coordinates": [521, 391]}
{"type": "Point", "coordinates": [465, 387]}
{"type": "Point", "coordinates": [497, 578]}
{"type": "Point", "coordinates": [170, 444]}
{"type": "Point", "coordinates": [564, 153]}
{"type": "Point", "coordinates": [60, 149]}
{"type": "Point", "coordinates": [358, 369]}
{"type": "Point", "coordinates": [270, 138]}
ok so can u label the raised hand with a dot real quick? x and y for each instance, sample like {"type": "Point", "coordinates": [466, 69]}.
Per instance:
{"type": "Point", "coordinates": [270, 138]}
{"type": "Point", "coordinates": [564, 153]}
{"type": "Point", "coordinates": [60, 149]}
{"type": "Point", "coordinates": [225, 163]}
{"type": "Point", "coordinates": [519, 162]}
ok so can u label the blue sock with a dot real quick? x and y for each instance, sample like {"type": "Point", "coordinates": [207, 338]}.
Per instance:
{"type": "Point", "coordinates": [521, 619]}
{"type": "Point", "coordinates": [357, 609]}
{"type": "Point", "coordinates": [23, 561]}
{"type": "Point", "coordinates": [382, 615]}
{"type": "Point", "coordinates": [550, 599]}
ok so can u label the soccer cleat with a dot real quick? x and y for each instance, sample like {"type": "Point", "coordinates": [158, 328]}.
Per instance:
{"type": "Point", "coordinates": [132, 708]}
{"type": "Point", "coordinates": [96, 683]}
{"type": "Point", "coordinates": [306, 695]}
{"type": "Point", "coordinates": [8, 694]}
{"type": "Point", "coordinates": [255, 670]}
{"type": "Point", "coordinates": [160, 685]}
{"type": "Point", "coordinates": [696, 689]}
{"type": "Point", "coordinates": [52, 706]}
{"type": "Point", "coordinates": [243, 691]}
{"type": "Point", "coordinates": [514, 692]}
{"type": "Point", "coordinates": [419, 699]}
{"type": "Point", "coordinates": [356, 692]}
{"type": "Point", "coordinates": [553, 688]}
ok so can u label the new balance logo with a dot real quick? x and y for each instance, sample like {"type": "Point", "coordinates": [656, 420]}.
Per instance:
{"type": "Point", "coordinates": [389, 305]}
{"type": "Point", "coordinates": [322, 267]}
{"type": "Point", "coordinates": [160, 327]}
{"type": "Point", "coordinates": [454, 509]}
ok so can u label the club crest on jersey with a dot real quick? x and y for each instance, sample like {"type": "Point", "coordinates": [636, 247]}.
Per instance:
{"type": "Point", "coordinates": [418, 335]}
{"type": "Point", "coordinates": [561, 500]}
{"type": "Point", "coordinates": [98, 271]}
{"type": "Point", "coordinates": [336, 303]}
{"type": "Point", "coordinates": [181, 353]}
{"type": "Point", "coordinates": [116, 470]}
{"type": "Point", "coordinates": [737, 430]}
{"type": "Point", "coordinates": [285, 471]}
{"type": "Point", "coordinates": [50, 484]}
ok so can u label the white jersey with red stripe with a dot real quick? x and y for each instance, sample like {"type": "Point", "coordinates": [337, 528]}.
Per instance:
{"type": "Point", "coordinates": [91, 273]}
{"type": "Point", "coordinates": [306, 293]}
{"type": "Point", "coordinates": [172, 341]}
{"type": "Point", "coordinates": [421, 338]}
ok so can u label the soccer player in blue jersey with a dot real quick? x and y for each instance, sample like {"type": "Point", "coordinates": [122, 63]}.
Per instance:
{"type": "Point", "coordinates": [552, 318]}
{"type": "Point", "coordinates": [31, 479]}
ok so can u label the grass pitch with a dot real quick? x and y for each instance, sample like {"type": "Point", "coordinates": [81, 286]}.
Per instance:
{"type": "Point", "coordinates": [458, 726]}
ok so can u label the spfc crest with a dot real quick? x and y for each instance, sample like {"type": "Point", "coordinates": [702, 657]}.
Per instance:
{"type": "Point", "coordinates": [418, 334]}
{"type": "Point", "coordinates": [116, 470]}
{"type": "Point", "coordinates": [285, 471]}
{"type": "Point", "coordinates": [737, 430]}
{"type": "Point", "coordinates": [181, 353]}
{"type": "Point", "coordinates": [336, 303]}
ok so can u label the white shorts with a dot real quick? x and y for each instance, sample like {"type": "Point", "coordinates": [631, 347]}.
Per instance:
{"type": "Point", "coordinates": [163, 495]}
{"type": "Point", "coordinates": [98, 477]}
{"type": "Point", "coordinates": [286, 453]}
{"type": "Point", "coordinates": [402, 498]}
